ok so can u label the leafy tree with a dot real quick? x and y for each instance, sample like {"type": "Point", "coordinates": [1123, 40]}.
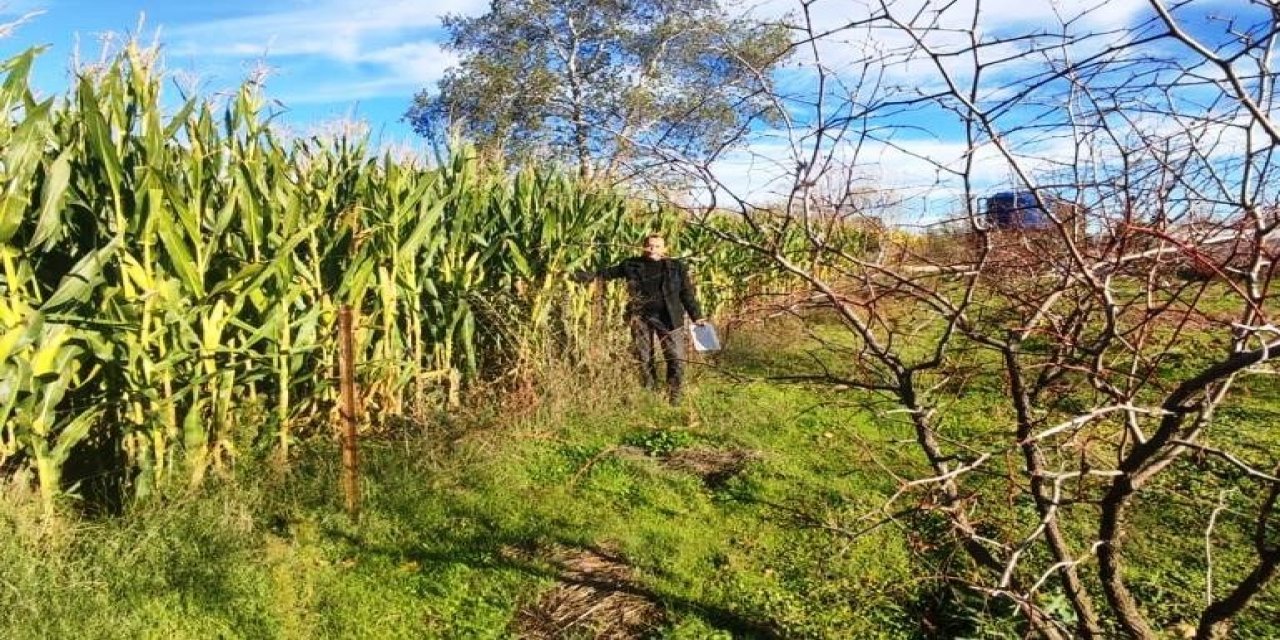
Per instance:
{"type": "Point", "coordinates": [618, 86]}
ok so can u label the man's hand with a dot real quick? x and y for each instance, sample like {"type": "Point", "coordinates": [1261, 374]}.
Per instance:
{"type": "Point", "coordinates": [701, 322]}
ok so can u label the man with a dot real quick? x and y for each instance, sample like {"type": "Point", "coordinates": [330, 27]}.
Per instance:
{"type": "Point", "coordinates": [660, 294]}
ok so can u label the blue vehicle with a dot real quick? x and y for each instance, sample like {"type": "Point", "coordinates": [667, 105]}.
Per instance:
{"type": "Point", "coordinates": [1018, 210]}
{"type": "Point", "coordinates": [1027, 230]}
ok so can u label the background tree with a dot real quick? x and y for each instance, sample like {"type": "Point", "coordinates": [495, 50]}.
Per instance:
{"type": "Point", "coordinates": [603, 82]}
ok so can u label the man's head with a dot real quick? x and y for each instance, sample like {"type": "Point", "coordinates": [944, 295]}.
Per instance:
{"type": "Point", "coordinates": [655, 247]}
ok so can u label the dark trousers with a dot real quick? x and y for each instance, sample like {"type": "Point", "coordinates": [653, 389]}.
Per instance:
{"type": "Point", "coordinates": [643, 334]}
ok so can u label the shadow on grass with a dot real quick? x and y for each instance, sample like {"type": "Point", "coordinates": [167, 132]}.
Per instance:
{"type": "Point", "coordinates": [493, 551]}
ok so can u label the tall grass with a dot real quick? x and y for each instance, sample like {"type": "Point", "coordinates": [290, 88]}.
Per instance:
{"type": "Point", "coordinates": [172, 274]}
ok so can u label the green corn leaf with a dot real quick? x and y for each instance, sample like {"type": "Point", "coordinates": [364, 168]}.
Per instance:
{"type": "Point", "coordinates": [78, 285]}
{"type": "Point", "coordinates": [73, 434]}
{"type": "Point", "coordinates": [48, 222]}
{"type": "Point", "coordinates": [175, 244]}
{"type": "Point", "coordinates": [99, 134]}
{"type": "Point", "coordinates": [521, 264]}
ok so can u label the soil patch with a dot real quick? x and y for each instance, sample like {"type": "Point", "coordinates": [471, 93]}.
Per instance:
{"type": "Point", "coordinates": [597, 598]}
{"type": "Point", "coordinates": [714, 466]}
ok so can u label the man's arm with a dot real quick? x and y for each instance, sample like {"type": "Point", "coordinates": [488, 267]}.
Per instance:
{"type": "Point", "coordinates": [608, 273]}
{"type": "Point", "coordinates": [689, 297]}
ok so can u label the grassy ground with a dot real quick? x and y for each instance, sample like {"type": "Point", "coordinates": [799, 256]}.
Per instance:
{"type": "Point", "coordinates": [472, 526]}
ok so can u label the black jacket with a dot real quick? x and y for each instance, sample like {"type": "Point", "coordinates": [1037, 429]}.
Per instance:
{"type": "Point", "coordinates": [677, 293]}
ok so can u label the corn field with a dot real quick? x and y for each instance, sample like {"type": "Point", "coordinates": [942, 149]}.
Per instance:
{"type": "Point", "coordinates": [172, 275]}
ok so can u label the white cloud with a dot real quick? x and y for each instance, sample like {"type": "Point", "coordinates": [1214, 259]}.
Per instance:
{"type": "Point", "coordinates": [338, 29]}
{"type": "Point", "coordinates": [417, 63]}
{"type": "Point", "coordinates": [14, 15]}
{"type": "Point", "coordinates": [919, 174]}
{"type": "Point", "coordinates": [390, 46]}
{"type": "Point", "coordinates": [921, 163]}
{"type": "Point", "coordinates": [851, 47]}
{"type": "Point", "coordinates": [995, 15]}
{"type": "Point", "coordinates": [402, 70]}
{"type": "Point", "coordinates": [17, 8]}
{"type": "Point", "coordinates": [395, 43]}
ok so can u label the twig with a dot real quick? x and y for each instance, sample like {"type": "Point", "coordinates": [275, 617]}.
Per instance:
{"type": "Point", "coordinates": [590, 463]}
{"type": "Point", "coordinates": [1208, 546]}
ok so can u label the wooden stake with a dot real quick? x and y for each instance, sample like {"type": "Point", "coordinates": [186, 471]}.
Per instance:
{"type": "Point", "coordinates": [347, 388]}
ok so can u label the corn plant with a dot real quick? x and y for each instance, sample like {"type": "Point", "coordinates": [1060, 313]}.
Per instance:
{"type": "Point", "coordinates": [173, 270]}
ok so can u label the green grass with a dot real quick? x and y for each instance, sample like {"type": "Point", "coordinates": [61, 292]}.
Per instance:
{"type": "Point", "coordinates": [457, 510]}
{"type": "Point", "coordinates": [272, 555]}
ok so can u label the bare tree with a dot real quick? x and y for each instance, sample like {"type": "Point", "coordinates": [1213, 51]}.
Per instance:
{"type": "Point", "coordinates": [1149, 147]}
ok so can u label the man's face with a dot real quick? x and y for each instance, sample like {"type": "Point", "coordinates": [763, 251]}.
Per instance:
{"type": "Point", "coordinates": [655, 248]}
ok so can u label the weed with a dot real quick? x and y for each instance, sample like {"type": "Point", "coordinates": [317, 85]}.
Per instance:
{"type": "Point", "coordinates": [660, 442]}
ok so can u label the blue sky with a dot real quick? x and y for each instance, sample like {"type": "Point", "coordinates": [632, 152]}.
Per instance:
{"type": "Point", "coordinates": [338, 60]}
{"type": "Point", "coordinates": [329, 59]}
